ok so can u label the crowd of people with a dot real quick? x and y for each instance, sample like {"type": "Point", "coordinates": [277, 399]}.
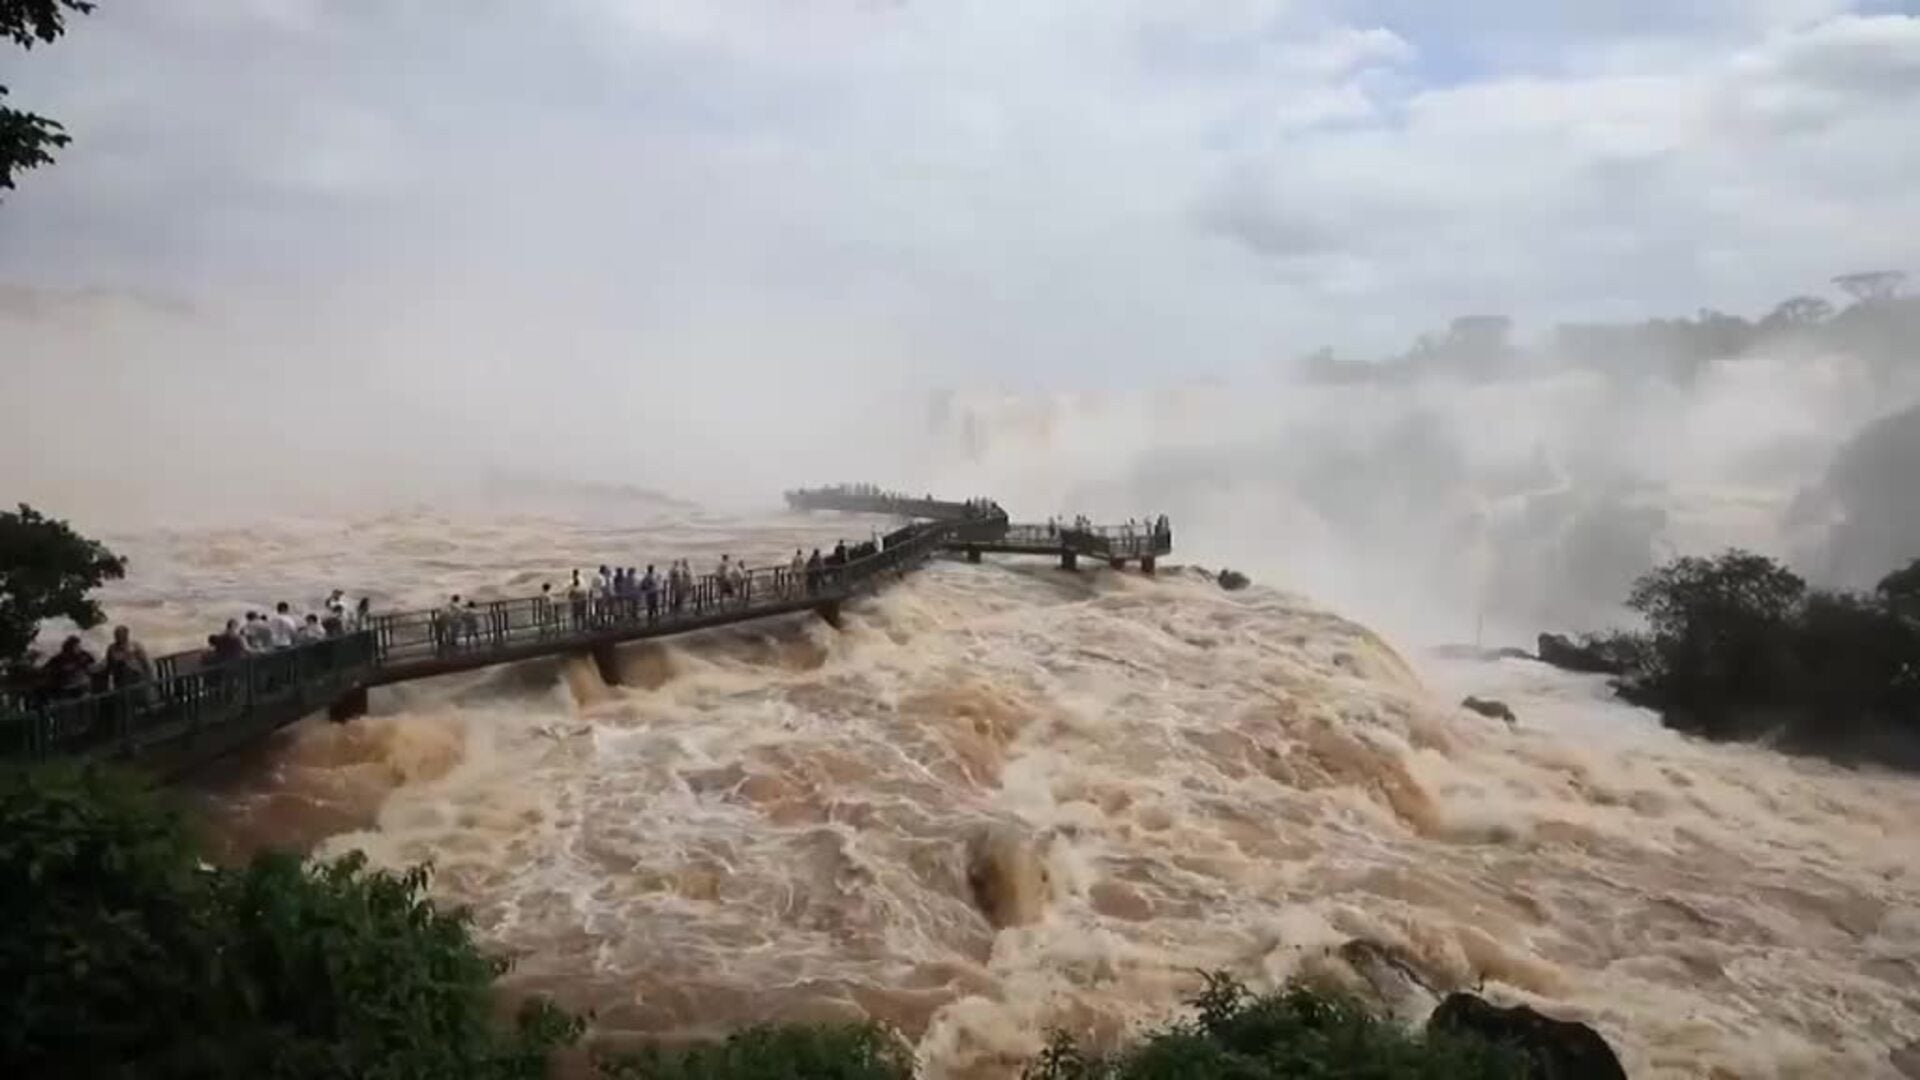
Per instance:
{"type": "Point", "coordinates": [616, 595]}
{"type": "Point", "coordinates": [74, 671]}
{"type": "Point", "coordinates": [263, 633]}
{"type": "Point", "coordinates": [1131, 533]}
{"type": "Point", "coordinates": [611, 596]}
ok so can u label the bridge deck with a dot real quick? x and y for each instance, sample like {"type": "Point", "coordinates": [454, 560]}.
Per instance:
{"type": "Point", "coordinates": [984, 525]}
{"type": "Point", "coordinates": [192, 712]}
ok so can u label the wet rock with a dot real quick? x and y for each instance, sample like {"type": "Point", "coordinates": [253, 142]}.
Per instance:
{"type": "Point", "coordinates": [1488, 707]}
{"type": "Point", "coordinates": [1906, 1060]}
{"type": "Point", "coordinates": [1457, 651]}
{"type": "Point", "coordinates": [1119, 901]}
{"type": "Point", "coordinates": [1009, 882]}
{"type": "Point", "coordinates": [1233, 580]}
{"type": "Point", "coordinates": [1565, 653]}
{"type": "Point", "coordinates": [1395, 982]}
{"type": "Point", "coordinates": [1554, 1049]}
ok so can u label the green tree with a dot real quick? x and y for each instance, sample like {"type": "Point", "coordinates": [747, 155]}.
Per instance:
{"type": "Point", "coordinates": [1900, 590]}
{"type": "Point", "coordinates": [47, 571]}
{"type": "Point", "coordinates": [123, 956]}
{"type": "Point", "coordinates": [27, 140]}
{"type": "Point", "coordinates": [1722, 632]}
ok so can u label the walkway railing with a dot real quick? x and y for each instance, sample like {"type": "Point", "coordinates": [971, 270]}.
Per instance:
{"type": "Point", "coordinates": [869, 499]}
{"type": "Point", "coordinates": [125, 721]}
{"type": "Point", "coordinates": [193, 709]}
{"type": "Point", "coordinates": [1103, 541]}
{"type": "Point", "coordinates": [188, 696]}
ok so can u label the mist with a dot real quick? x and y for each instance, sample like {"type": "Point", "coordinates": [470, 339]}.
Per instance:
{"type": "Point", "coordinates": [1454, 505]}
{"type": "Point", "coordinates": [306, 258]}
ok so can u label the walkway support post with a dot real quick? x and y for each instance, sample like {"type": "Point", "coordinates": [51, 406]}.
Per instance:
{"type": "Point", "coordinates": [1068, 560]}
{"type": "Point", "coordinates": [973, 553]}
{"type": "Point", "coordinates": [1146, 566]}
{"type": "Point", "coordinates": [351, 705]}
{"type": "Point", "coordinates": [830, 611]}
{"type": "Point", "coordinates": [608, 661]}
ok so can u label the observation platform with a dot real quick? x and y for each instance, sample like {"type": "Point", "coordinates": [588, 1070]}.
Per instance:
{"type": "Point", "coordinates": [192, 712]}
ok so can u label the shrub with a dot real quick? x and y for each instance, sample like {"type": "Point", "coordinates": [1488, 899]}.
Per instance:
{"type": "Point", "coordinates": [827, 1052]}
{"type": "Point", "coordinates": [124, 956]}
{"type": "Point", "coordinates": [1294, 1033]}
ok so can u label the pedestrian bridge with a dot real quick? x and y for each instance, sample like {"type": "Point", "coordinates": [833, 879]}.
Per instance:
{"type": "Point", "coordinates": [192, 712]}
{"type": "Point", "coordinates": [984, 527]}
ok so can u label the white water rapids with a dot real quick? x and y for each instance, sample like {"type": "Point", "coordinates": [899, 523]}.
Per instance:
{"type": "Point", "coordinates": [775, 821]}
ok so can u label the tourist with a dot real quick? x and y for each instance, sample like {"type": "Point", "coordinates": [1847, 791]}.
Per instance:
{"type": "Point", "coordinates": [650, 592]}
{"type": "Point", "coordinates": [281, 628]}
{"type": "Point", "coordinates": [227, 644]}
{"type": "Point", "coordinates": [447, 624]}
{"type": "Point", "coordinates": [257, 635]}
{"type": "Point", "coordinates": [576, 599]}
{"type": "Point", "coordinates": [70, 672]}
{"type": "Point", "coordinates": [470, 623]}
{"type": "Point", "coordinates": [127, 661]}
{"type": "Point", "coordinates": [724, 574]}
{"type": "Point", "coordinates": [599, 592]}
{"type": "Point", "coordinates": [310, 631]}
{"type": "Point", "coordinates": [543, 609]}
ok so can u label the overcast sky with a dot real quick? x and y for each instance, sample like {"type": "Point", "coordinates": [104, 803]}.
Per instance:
{"type": "Point", "coordinates": [1068, 191]}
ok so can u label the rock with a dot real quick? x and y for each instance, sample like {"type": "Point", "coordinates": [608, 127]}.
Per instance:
{"type": "Point", "coordinates": [1010, 883]}
{"type": "Point", "coordinates": [1398, 986]}
{"type": "Point", "coordinates": [1496, 710]}
{"type": "Point", "coordinates": [1233, 580]}
{"type": "Point", "coordinates": [1906, 1060]}
{"type": "Point", "coordinates": [1554, 1049]}
{"type": "Point", "coordinates": [1563, 652]}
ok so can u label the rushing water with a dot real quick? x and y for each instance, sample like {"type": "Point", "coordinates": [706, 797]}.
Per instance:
{"type": "Point", "coordinates": [1149, 777]}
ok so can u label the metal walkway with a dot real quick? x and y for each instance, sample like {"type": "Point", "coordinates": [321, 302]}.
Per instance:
{"type": "Point", "coordinates": [193, 712]}
{"type": "Point", "coordinates": [984, 527]}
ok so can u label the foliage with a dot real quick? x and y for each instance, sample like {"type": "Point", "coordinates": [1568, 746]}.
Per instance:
{"type": "Point", "coordinates": [829, 1052]}
{"type": "Point", "coordinates": [123, 956]}
{"type": "Point", "coordinates": [27, 140]}
{"type": "Point", "coordinates": [47, 571]}
{"type": "Point", "coordinates": [1294, 1033]}
{"type": "Point", "coordinates": [1738, 646]}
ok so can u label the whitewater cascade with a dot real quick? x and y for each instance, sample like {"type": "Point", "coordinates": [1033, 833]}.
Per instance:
{"type": "Point", "coordinates": [1003, 798]}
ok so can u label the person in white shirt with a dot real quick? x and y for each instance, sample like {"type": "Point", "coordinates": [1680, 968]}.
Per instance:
{"type": "Point", "coordinates": [601, 593]}
{"type": "Point", "coordinates": [577, 600]}
{"type": "Point", "coordinates": [257, 636]}
{"type": "Point", "coordinates": [282, 627]}
{"type": "Point", "coordinates": [309, 631]}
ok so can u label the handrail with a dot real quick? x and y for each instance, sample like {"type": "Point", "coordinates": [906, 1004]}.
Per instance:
{"type": "Point", "coordinates": [188, 694]}
{"type": "Point", "coordinates": [187, 697]}
{"type": "Point", "coordinates": [1110, 541]}
{"type": "Point", "coordinates": [868, 498]}
{"type": "Point", "coordinates": [155, 710]}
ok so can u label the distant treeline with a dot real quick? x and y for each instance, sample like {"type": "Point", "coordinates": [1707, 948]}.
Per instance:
{"type": "Point", "coordinates": [1739, 647]}
{"type": "Point", "coordinates": [1877, 327]}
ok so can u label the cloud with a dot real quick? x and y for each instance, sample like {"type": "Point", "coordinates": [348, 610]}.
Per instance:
{"type": "Point", "coordinates": [818, 203]}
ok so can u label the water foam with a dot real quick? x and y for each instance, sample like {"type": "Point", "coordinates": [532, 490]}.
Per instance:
{"type": "Point", "coordinates": [786, 821]}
